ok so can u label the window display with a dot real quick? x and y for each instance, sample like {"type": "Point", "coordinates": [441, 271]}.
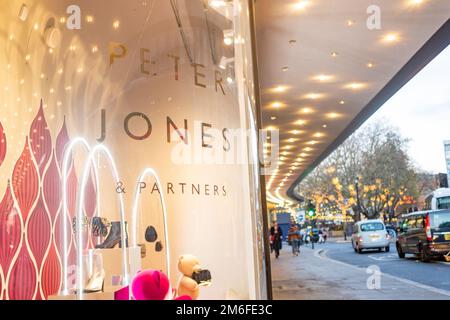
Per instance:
{"type": "Point", "coordinates": [127, 139]}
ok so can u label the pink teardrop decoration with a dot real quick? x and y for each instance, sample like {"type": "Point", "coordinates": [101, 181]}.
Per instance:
{"type": "Point", "coordinates": [90, 197]}
{"type": "Point", "coordinates": [1, 285]}
{"type": "Point", "coordinates": [10, 231]}
{"type": "Point", "coordinates": [62, 140]}
{"type": "Point", "coordinates": [58, 232]}
{"type": "Point", "coordinates": [39, 232]}
{"type": "Point", "coordinates": [25, 182]}
{"type": "Point", "coordinates": [71, 189]}
{"type": "Point", "coordinates": [40, 140]}
{"type": "Point", "coordinates": [51, 274]}
{"type": "Point", "coordinates": [52, 188]}
{"type": "Point", "coordinates": [22, 282]}
{"type": "Point", "coordinates": [3, 145]}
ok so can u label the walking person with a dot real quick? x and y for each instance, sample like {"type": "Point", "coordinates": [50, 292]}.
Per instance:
{"type": "Point", "coordinates": [294, 239]}
{"type": "Point", "coordinates": [277, 236]}
{"type": "Point", "coordinates": [321, 238]}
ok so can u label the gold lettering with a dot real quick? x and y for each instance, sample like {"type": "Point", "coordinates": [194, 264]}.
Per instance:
{"type": "Point", "coordinates": [113, 54]}
{"type": "Point", "coordinates": [219, 81]}
{"type": "Point", "coordinates": [176, 60]}
{"type": "Point", "coordinates": [144, 61]}
{"type": "Point", "coordinates": [198, 75]}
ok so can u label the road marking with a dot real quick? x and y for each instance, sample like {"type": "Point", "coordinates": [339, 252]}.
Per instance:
{"type": "Point", "coordinates": [385, 257]}
{"type": "Point", "coordinates": [318, 254]}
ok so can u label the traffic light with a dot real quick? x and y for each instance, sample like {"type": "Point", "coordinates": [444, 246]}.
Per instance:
{"type": "Point", "coordinates": [311, 210]}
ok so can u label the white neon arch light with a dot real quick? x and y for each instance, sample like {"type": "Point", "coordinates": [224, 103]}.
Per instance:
{"type": "Point", "coordinates": [137, 197]}
{"type": "Point", "coordinates": [68, 152]}
{"type": "Point", "coordinates": [80, 202]}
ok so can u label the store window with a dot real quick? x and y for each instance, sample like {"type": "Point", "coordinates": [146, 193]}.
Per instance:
{"type": "Point", "coordinates": [128, 139]}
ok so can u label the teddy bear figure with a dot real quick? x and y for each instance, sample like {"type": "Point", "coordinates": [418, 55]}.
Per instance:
{"type": "Point", "coordinates": [193, 276]}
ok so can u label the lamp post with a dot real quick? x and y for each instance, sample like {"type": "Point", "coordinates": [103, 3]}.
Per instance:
{"type": "Point", "coordinates": [358, 205]}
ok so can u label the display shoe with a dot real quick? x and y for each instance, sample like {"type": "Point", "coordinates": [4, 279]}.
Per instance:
{"type": "Point", "coordinates": [150, 234]}
{"type": "Point", "coordinates": [114, 237]}
{"type": "Point", "coordinates": [96, 282]}
{"type": "Point", "coordinates": [99, 227]}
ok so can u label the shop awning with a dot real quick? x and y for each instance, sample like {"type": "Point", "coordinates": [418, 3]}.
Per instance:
{"type": "Point", "coordinates": [326, 66]}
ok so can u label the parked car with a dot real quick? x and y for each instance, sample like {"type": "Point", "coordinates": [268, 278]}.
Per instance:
{"type": "Point", "coordinates": [425, 234]}
{"type": "Point", "coordinates": [370, 234]}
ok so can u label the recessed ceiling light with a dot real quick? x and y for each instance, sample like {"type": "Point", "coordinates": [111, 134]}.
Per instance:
{"type": "Point", "coordinates": [324, 126]}
{"type": "Point", "coordinates": [271, 128]}
{"type": "Point", "coordinates": [273, 118]}
{"type": "Point", "coordinates": [300, 122]}
{"type": "Point", "coordinates": [277, 104]}
{"type": "Point", "coordinates": [416, 2]}
{"type": "Point", "coordinates": [318, 134]}
{"type": "Point", "coordinates": [116, 24]}
{"type": "Point", "coordinates": [279, 89]}
{"type": "Point", "coordinates": [333, 115]}
{"type": "Point", "coordinates": [355, 85]}
{"type": "Point", "coordinates": [312, 142]}
{"type": "Point", "coordinates": [296, 131]}
{"type": "Point", "coordinates": [313, 96]}
{"type": "Point", "coordinates": [342, 102]}
{"type": "Point", "coordinates": [334, 54]}
{"type": "Point", "coordinates": [308, 149]}
{"type": "Point", "coordinates": [323, 77]}
{"type": "Point", "coordinates": [301, 5]}
{"type": "Point", "coordinates": [370, 65]}
{"type": "Point", "coordinates": [350, 23]}
{"type": "Point", "coordinates": [390, 37]}
{"type": "Point", "coordinates": [89, 19]}
{"type": "Point", "coordinates": [307, 110]}
{"type": "Point", "coordinates": [285, 69]}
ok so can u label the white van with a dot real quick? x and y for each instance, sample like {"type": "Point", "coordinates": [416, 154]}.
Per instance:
{"type": "Point", "coordinates": [370, 234]}
{"type": "Point", "coordinates": [438, 199]}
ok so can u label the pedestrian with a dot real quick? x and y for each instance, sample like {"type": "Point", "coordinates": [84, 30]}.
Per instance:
{"type": "Point", "coordinates": [277, 236]}
{"type": "Point", "coordinates": [321, 239]}
{"type": "Point", "coordinates": [325, 235]}
{"type": "Point", "coordinates": [294, 239]}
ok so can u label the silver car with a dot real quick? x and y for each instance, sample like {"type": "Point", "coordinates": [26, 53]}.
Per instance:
{"type": "Point", "coordinates": [370, 234]}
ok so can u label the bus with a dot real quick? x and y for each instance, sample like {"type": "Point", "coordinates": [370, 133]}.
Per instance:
{"type": "Point", "coordinates": [438, 199]}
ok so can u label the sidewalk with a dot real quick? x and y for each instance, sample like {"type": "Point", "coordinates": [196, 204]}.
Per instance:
{"type": "Point", "coordinates": [313, 276]}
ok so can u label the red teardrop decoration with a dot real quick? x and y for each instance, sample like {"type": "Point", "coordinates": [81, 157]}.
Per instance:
{"type": "Point", "coordinates": [52, 188]}
{"type": "Point", "coordinates": [62, 140]}
{"type": "Point", "coordinates": [39, 232]}
{"type": "Point", "coordinates": [40, 140]}
{"type": "Point", "coordinates": [10, 231]}
{"type": "Point", "coordinates": [3, 145]}
{"type": "Point", "coordinates": [51, 274]}
{"type": "Point", "coordinates": [25, 182]}
{"type": "Point", "coordinates": [22, 283]}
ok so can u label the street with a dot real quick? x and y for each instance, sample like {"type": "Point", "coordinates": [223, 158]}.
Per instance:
{"type": "Point", "coordinates": [435, 273]}
{"type": "Point", "coordinates": [334, 271]}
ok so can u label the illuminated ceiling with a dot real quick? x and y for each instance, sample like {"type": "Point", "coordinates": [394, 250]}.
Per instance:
{"type": "Point", "coordinates": [320, 65]}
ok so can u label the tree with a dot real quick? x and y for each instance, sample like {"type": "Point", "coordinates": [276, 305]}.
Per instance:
{"type": "Point", "coordinates": [370, 173]}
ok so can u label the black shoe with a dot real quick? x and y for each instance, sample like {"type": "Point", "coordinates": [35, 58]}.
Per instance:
{"type": "Point", "coordinates": [114, 237]}
{"type": "Point", "coordinates": [99, 228]}
{"type": "Point", "coordinates": [150, 234]}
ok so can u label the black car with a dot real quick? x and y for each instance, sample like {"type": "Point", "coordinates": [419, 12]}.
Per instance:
{"type": "Point", "coordinates": [424, 233]}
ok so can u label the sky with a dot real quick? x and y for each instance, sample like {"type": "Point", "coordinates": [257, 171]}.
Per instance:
{"type": "Point", "coordinates": [421, 111]}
